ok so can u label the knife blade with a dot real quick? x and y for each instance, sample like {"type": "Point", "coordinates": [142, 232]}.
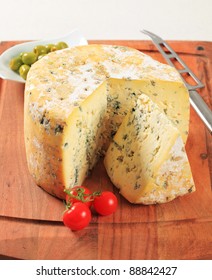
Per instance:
{"type": "Point", "coordinates": [196, 100]}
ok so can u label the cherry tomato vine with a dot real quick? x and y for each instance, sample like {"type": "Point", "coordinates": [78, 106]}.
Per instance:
{"type": "Point", "coordinates": [80, 200]}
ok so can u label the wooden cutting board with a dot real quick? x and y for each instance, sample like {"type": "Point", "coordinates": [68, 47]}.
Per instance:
{"type": "Point", "coordinates": [31, 220]}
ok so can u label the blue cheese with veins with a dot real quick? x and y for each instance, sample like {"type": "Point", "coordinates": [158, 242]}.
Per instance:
{"type": "Point", "coordinates": [75, 101]}
{"type": "Point", "coordinates": [146, 159]}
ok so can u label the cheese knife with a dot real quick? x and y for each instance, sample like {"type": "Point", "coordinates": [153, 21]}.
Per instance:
{"type": "Point", "coordinates": [172, 58]}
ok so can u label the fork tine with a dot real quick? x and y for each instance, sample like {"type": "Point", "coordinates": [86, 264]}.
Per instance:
{"type": "Point", "coordinates": [152, 35]}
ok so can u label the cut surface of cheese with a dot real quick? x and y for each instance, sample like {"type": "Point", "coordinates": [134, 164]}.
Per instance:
{"type": "Point", "coordinates": [75, 100]}
{"type": "Point", "coordinates": [146, 159]}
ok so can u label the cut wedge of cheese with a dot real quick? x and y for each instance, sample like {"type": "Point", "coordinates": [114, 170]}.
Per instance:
{"type": "Point", "coordinates": [146, 159]}
{"type": "Point", "coordinates": [76, 99]}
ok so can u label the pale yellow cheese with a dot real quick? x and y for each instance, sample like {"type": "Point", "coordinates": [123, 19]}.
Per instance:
{"type": "Point", "coordinates": [146, 159]}
{"type": "Point", "coordinates": [75, 100]}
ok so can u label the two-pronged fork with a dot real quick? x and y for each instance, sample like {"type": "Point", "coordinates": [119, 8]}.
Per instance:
{"type": "Point", "coordinates": [171, 57]}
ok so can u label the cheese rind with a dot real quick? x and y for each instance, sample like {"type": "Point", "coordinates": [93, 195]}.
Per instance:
{"type": "Point", "coordinates": [75, 100]}
{"type": "Point", "coordinates": [146, 159]}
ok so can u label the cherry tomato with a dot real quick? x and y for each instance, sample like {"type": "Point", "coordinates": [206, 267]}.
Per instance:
{"type": "Point", "coordinates": [79, 193]}
{"type": "Point", "coordinates": [77, 217]}
{"type": "Point", "coordinates": [106, 203]}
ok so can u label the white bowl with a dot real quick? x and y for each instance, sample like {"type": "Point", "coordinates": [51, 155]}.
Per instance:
{"type": "Point", "coordinates": [74, 38]}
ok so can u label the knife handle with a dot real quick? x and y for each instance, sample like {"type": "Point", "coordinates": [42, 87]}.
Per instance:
{"type": "Point", "coordinates": [201, 109]}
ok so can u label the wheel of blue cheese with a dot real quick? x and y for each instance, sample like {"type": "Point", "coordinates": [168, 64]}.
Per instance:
{"type": "Point", "coordinates": [76, 100]}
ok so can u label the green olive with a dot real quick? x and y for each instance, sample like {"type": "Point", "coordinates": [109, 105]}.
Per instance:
{"type": "Point", "coordinates": [15, 63]}
{"type": "Point", "coordinates": [38, 50]}
{"type": "Point", "coordinates": [48, 47]}
{"type": "Point", "coordinates": [54, 48]}
{"type": "Point", "coordinates": [29, 58]}
{"type": "Point", "coordinates": [23, 71]}
{"type": "Point", "coordinates": [23, 61]}
{"type": "Point", "coordinates": [61, 45]}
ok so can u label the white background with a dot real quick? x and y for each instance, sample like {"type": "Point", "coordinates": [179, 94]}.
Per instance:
{"type": "Point", "coordinates": [106, 19]}
{"type": "Point", "coordinates": [25, 270]}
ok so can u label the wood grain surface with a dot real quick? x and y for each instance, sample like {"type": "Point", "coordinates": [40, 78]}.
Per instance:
{"type": "Point", "coordinates": [31, 220]}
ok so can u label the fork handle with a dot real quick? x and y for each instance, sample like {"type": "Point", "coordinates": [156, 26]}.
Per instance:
{"type": "Point", "coordinates": [201, 109]}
